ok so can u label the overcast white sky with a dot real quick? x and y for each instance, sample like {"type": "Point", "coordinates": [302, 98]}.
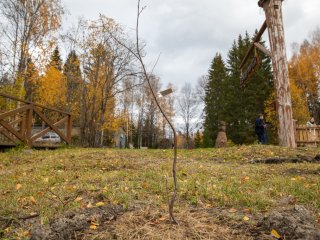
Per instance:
{"type": "Point", "coordinates": [188, 33]}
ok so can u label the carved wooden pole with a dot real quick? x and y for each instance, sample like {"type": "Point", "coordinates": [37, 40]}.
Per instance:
{"type": "Point", "coordinates": [273, 11]}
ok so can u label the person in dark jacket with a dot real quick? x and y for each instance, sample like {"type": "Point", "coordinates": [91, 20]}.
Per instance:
{"type": "Point", "coordinates": [260, 129]}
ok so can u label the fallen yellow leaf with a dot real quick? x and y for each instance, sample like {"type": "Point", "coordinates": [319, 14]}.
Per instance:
{"type": "Point", "coordinates": [93, 227]}
{"type": "Point", "coordinates": [26, 234]}
{"type": "Point", "coordinates": [18, 186]}
{"type": "Point", "coordinates": [33, 200]}
{"type": "Point", "coordinates": [78, 199]}
{"type": "Point", "coordinates": [89, 205]}
{"type": "Point", "coordinates": [232, 210]}
{"type": "Point", "coordinates": [275, 234]}
{"type": "Point", "coordinates": [99, 204]}
{"type": "Point", "coordinates": [246, 218]}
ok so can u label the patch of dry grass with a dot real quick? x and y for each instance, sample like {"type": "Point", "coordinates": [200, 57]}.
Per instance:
{"type": "Point", "coordinates": [152, 224]}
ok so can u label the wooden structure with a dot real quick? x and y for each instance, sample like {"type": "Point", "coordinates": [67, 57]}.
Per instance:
{"type": "Point", "coordinates": [274, 24]}
{"type": "Point", "coordinates": [307, 136]}
{"type": "Point", "coordinates": [16, 125]}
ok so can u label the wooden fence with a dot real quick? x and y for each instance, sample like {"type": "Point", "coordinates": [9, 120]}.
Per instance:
{"type": "Point", "coordinates": [307, 135]}
{"type": "Point", "coordinates": [16, 125]}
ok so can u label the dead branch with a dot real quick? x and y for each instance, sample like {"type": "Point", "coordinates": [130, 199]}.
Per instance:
{"type": "Point", "coordinates": [60, 200]}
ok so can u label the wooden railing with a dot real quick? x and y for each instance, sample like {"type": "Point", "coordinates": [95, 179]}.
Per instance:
{"type": "Point", "coordinates": [16, 125]}
{"type": "Point", "coordinates": [307, 135]}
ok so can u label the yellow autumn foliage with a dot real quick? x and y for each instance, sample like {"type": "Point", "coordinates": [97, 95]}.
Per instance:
{"type": "Point", "coordinates": [51, 89]}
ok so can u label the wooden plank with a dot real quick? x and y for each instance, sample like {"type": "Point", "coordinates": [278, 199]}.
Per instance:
{"type": "Point", "coordinates": [35, 104]}
{"type": "Point", "coordinates": [51, 125]}
{"type": "Point", "coordinates": [12, 130]}
{"type": "Point", "coordinates": [253, 65]}
{"type": "Point", "coordinates": [45, 131]}
{"type": "Point", "coordinates": [29, 123]}
{"type": "Point", "coordinates": [10, 137]}
{"type": "Point", "coordinates": [69, 129]}
{"type": "Point", "coordinates": [19, 120]}
{"type": "Point", "coordinates": [263, 49]}
{"type": "Point", "coordinates": [13, 112]}
{"type": "Point", "coordinates": [316, 141]}
{"type": "Point", "coordinates": [256, 39]}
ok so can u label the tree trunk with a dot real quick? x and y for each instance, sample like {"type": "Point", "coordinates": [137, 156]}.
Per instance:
{"type": "Point", "coordinates": [273, 11]}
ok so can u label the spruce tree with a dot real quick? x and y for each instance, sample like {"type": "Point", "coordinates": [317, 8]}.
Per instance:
{"type": "Point", "coordinates": [72, 72]}
{"type": "Point", "coordinates": [214, 100]}
{"type": "Point", "coordinates": [31, 77]}
{"type": "Point", "coordinates": [55, 59]}
{"type": "Point", "coordinates": [245, 104]}
{"type": "Point", "coordinates": [197, 140]}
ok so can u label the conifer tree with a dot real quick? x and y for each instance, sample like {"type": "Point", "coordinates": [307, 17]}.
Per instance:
{"type": "Point", "coordinates": [214, 99]}
{"type": "Point", "coordinates": [226, 101]}
{"type": "Point", "coordinates": [244, 105]}
{"type": "Point", "coordinates": [72, 73]}
{"type": "Point", "coordinates": [31, 77]}
{"type": "Point", "coordinates": [197, 140]}
{"type": "Point", "coordinates": [55, 59]}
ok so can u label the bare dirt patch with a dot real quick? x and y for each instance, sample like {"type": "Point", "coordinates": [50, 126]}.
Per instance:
{"type": "Point", "coordinates": [73, 224]}
{"type": "Point", "coordinates": [295, 223]}
{"type": "Point", "coordinates": [297, 159]}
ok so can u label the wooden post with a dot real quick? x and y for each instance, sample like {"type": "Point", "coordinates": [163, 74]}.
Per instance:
{"type": "Point", "coordinates": [29, 118]}
{"type": "Point", "coordinates": [273, 12]}
{"type": "Point", "coordinates": [69, 129]}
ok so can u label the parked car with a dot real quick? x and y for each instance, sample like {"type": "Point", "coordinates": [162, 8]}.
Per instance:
{"type": "Point", "coordinates": [50, 137]}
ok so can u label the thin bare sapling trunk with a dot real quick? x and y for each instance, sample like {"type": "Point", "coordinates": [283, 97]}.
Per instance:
{"type": "Point", "coordinates": [139, 57]}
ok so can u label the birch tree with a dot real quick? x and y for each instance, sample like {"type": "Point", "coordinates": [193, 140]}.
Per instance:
{"type": "Point", "coordinates": [188, 103]}
{"type": "Point", "coordinates": [27, 27]}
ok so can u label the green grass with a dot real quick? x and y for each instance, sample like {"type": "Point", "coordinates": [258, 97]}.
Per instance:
{"type": "Point", "coordinates": [68, 179]}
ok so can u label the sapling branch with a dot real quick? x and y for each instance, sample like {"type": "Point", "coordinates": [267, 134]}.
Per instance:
{"type": "Point", "coordinates": [147, 78]}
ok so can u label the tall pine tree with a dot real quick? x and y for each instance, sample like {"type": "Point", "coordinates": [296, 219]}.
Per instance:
{"type": "Point", "coordinates": [245, 104]}
{"type": "Point", "coordinates": [55, 59]}
{"type": "Point", "coordinates": [72, 73]}
{"type": "Point", "coordinates": [226, 101]}
{"type": "Point", "coordinates": [214, 100]}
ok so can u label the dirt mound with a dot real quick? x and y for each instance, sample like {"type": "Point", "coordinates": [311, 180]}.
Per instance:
{"type": "Point", "coordinates": [65, 227]}
{"type": "Point", "coordinates": [298, 159]}
{"type": "Point", "coordinates": [294, 222]}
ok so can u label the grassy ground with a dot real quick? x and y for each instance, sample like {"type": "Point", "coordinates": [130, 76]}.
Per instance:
{"type": "Point", "coordinates": [50, 183]}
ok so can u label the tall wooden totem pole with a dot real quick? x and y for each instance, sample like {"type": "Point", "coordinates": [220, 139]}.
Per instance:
{"type": "Point", "coordinates": [273, 12]}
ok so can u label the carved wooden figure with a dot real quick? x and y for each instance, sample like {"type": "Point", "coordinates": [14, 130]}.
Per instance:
{"type": "Point", "coordinates": [221, 140]}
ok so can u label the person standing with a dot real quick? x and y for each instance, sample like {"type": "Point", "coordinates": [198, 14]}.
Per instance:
{"type": "Point", "coordinates": [260, 129]}
{"type": "Point", "coordinates": [311, 123]}
{"type": "Point", "coordinates": [312, 130]}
